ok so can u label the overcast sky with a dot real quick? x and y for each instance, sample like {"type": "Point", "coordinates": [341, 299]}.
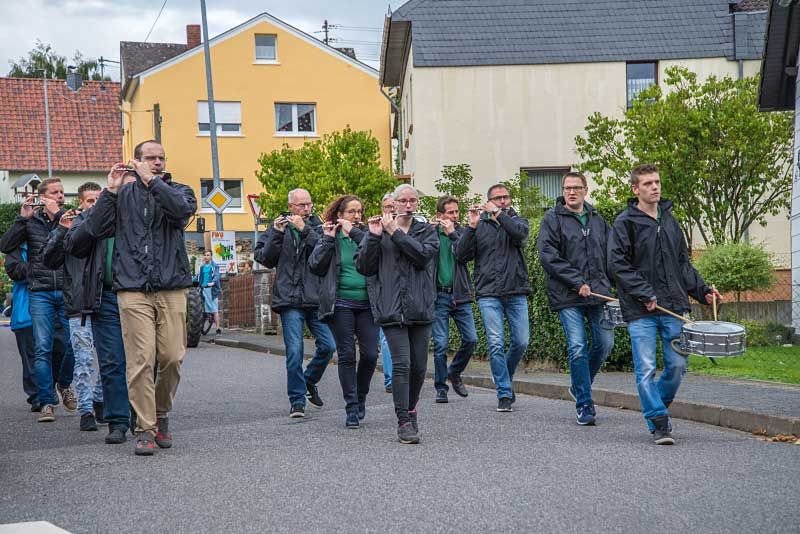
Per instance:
{"type": "Point", "coordinates": [95, 27]}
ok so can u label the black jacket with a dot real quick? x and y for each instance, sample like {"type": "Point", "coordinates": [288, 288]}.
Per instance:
{"type": "Point", "coordinates": [295, 285]}
{"type": "Point", "coordinates": [16, 268]}
{"type": "Point", "coordinates": [462, 281]}
{"type": "Point", "coordinates": [648, 259]}
{"type": "Point", "coordinates": [498, 250]}
{"type": "Point", "coordinates": [325, 261]}
{"type": "Point", "coordinates": [83, 263]}
{"type": "Point", "coordinates": [35, 230]}
{"type": "Point", "coordinates": [572, 255]}
{"type": "Point", "coordinates": [147, 223]}
{"type": "Point", "coordinates": [405, 267]}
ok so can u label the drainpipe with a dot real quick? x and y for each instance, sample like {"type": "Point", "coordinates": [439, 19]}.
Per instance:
{"type": "Point", "coordinates": [400, 137]}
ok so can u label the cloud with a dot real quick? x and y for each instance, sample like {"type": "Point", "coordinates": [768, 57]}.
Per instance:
{"type": "Point", "coordinates": [95, 27]}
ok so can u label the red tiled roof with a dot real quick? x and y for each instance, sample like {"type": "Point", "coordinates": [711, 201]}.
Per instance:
{"type": "Point", "coordinates": [84, 125]}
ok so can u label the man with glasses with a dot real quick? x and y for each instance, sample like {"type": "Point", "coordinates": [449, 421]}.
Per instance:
{"type": "Point", "coordinates": [285, 247]}
{"type": "Point", "coordinates": [495, 238]}
{"type": "Point", "coordinates": [572, 249]}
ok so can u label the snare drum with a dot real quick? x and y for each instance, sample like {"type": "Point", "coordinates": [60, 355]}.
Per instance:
{"type": "Point", "coordinates": [612, 315]}
{"type": "Point", "coordinates": [713, 339]}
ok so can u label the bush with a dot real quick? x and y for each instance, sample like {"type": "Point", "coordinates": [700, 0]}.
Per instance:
{"type": "Point", "coordinates": [736, 267]}
{"type": "Point", "coordinates": [767, 334]}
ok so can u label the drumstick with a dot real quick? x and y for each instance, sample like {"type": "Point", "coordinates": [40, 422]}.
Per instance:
{"type": "Point", "coordinates": [659, 308]}
{"type": "Point", "coordinates": [714, 301]}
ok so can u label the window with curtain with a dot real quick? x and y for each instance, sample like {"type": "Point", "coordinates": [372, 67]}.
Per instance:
{"type": "Point", "coordinates": [297, 119]}
{"type": "Point", "coordinates": [227, 114]}
{"type": "Point", "coordinates": [265, 48]}
{"type": "Point", "coordinates": [639, 76]}
{"type": "Point", "coordinates": [548, 180]}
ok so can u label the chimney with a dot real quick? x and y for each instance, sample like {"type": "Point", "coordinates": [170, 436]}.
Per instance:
{"type": "Point", "coordinates": [74, 79]}
{"type": "Point", "coordinates": [193, 35]}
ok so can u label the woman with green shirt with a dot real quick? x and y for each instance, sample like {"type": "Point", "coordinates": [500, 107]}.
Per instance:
{"type": "Point", "coordinates": [345, 302]}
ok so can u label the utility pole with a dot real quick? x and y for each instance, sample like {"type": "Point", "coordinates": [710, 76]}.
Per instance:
{"type": "Point", "coordinates": [211, 115]}
{"type": "Point", "coordinates": [325, 29]}
{"type": "Point", "coordinates": [47, 126]}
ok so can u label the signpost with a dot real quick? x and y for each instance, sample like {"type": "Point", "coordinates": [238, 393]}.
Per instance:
{"type": "Point", "coordinates": [255, 208]}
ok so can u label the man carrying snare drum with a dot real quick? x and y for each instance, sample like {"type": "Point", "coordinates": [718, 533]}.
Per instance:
{"type": "Point", "coordinates": [572, 249]}
{"type": "Point", "coordinates": [648, 258]}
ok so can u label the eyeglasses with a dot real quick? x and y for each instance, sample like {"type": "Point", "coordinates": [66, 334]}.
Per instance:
{"type": "Point", "coordinates": [354, 212]}
{"type": "Point", "coordinates": [575, 188]}
{"type": "Point", "coordinates": [500, 198]}
{"type": "Point", "coordinates": [153, 158]}
{"type": "Point", "coordinates": [407, 201]}
{"type": "Point", "coordinates": [303, 205]}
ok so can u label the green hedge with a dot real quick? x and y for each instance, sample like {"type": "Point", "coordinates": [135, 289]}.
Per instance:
{"type": "Point", "coordinates": [547, 347]}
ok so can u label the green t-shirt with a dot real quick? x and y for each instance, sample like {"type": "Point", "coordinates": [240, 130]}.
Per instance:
{"type": "Point", "coordinates": [352, 284]}
{"type": "Point", "coordinates": [447, 261]}
{"type": "Point", "coordinates": [108, 275]}
{"type": "Point", "coordinates": [582, 217]}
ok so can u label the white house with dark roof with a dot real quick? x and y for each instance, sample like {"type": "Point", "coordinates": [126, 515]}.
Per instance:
{"type": "Point", "coordinates": [506, 86]}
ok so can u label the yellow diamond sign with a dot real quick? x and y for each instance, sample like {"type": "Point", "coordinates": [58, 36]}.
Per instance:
{"type": "Point", "coordinates": [218, 199]}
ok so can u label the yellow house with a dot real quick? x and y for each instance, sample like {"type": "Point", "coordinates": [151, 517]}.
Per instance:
{"type": "Point", "coordinates": [273, 85]}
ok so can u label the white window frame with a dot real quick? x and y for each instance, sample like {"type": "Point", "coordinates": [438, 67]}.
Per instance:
{"type": "Point", "coordinates": [263, 61]}
{"type": "Point", "coordinates": [295, 133]}
{"type": "Point", "coordinates": [223, 112]}
{"type": "Point", "coordinates": [206, 209]}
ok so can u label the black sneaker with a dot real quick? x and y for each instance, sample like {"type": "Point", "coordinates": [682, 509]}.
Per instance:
{"type": "Point", "coordinates": [406, 434]}
{"type": "Point", "coordinates": [441, 396]}
{"type": "Point", "coordinates": [661, 434]}
{"type": "Point", "coordinates": [362, 409]}
{"type": "Point", "coordinates": [219, 331]}
{"type": "Point", "coordinates": [504, 405]}
{"type": "Point", "coordinates": [585, 416]}
{"type": "Point", "coordinates": [388, 389]}
{"type": "Point", "coordinates": [36, 407]}
{"type": "Point", "coordinates": [412, 418]}
{"type": "Point", "coordinates": [298, 410]}
{"type": "Point", "coordinates": [116, 435]}
{"type": "Point", "coordinates": [163, 435]}
{"type": "Point", "coordinates": [458, 385]}
{"type": "Point", "coordinates": [313, 395]}
{"type": "Point", "coordinates": [98, 408]}
{"type": "Point", "coordinates": [351, 421]}
{"type": "Point", "coordinates": [88, 424]}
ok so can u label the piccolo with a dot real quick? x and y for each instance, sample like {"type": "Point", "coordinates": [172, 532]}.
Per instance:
{"type": "Point", "coordinates": [416, 216]}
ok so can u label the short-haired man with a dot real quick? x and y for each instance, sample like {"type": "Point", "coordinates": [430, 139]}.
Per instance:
{"type": "Point", "coordinates": [454, 298]}
{"type": "Point", "coordinates": [648, 258]}
{"type": "Point", "coordinates": [387, 207]}
{"type": "Point", "coordinates": [33, 226]}
{"type": "Point", "coordinates": [572, 249]}
{"type": "Point", "coordinates": [495, 239]}
{"type": "Point", "coordinates": [286, 247]}
{"type": "Point", "coordinates": [87, 387]}
{"type": "Point", "coordinates": [150, 271]}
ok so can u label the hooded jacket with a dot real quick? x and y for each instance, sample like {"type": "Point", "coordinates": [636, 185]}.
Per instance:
{"type": "Point", "coordinates": [295, 285]}
{"type": "Point", "coordinates": [650, 260]}
{"type": "Point", "coordinates": [573, 255]}
{"type": "Point", "coordinates": [404, 265]}
{"type": "Point", "coordinates": [147, 223]}
{"type": "Point", "coordinates": [498, 250]}
{"type": "Point", "coordinates": [35, 231]}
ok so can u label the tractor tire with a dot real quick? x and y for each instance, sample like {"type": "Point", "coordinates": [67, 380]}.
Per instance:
{"type": "Point", "coordinates": [194, 317]}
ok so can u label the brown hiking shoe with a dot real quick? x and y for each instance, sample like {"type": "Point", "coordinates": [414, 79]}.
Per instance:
{"type": "Point", "coordinates": [46, 415]}
{"type": "Point", "coordinates": [68, 398]}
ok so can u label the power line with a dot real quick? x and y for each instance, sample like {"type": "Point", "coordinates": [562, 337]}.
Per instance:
{"type": "Point", "coordinates": [348, 41]}
{"type": "Point", "coordinates": [360, 29]}
{"type": "Point", "coordinates": [154, 22]}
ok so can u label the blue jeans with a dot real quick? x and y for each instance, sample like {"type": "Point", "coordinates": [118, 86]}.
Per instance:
{"type": "Point", "coordinates": [111, 359]}
{"type": "Point", "coordinates": [503, 364]}
{"type": "Point", "coordinates": [386, 359]}
{"type": "Point", "coordinates": [46, 308]}
{"type": "Point", "coordinates": [292, 320]}
{"type": "Point", "coordinates": [656, 395]}
{"type": "Point", "coordinates": [440, 332]}
{"type": "Point", "coordinates": [585, 362]}
{"type": "Point", "coordinates": [87, 387]}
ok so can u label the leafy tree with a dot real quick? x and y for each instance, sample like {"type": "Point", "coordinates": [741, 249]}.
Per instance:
{"type": "Point", "coordinates": [342, 162]}
{"type": "Point", "coordinates": [42, 56]}
{"type": "Point", "coordinates": [737, 267]}
{"type": "Point", "coordinates": [455, 181]}
{"type": "Point", "coordinates": [727, 165]}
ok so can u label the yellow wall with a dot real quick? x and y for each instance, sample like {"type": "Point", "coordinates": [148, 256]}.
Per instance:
{"type": "Point", "coordinates": [344, 95]}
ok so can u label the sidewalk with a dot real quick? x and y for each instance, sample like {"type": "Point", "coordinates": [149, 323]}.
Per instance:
{"type": "Point", "coordinates": [751, 406]}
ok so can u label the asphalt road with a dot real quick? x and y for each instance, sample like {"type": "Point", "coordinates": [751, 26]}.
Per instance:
{"type": "Point", "coordinates": [241, 465]}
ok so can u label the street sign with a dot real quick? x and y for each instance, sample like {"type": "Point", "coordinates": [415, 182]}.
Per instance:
{"type": "Point", "coordinates": [254, 205]}
{"type": "Point", "coordinates": [218, 199]}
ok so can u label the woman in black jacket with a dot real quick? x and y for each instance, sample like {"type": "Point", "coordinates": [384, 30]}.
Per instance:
{"type": "Point", "coordinates": [399, 251]}
{"type": "Point", "coordinates": [345, 302]}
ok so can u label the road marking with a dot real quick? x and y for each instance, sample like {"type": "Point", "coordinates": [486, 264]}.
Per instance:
{"type": "Point", "coordinates": [33, 527]}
